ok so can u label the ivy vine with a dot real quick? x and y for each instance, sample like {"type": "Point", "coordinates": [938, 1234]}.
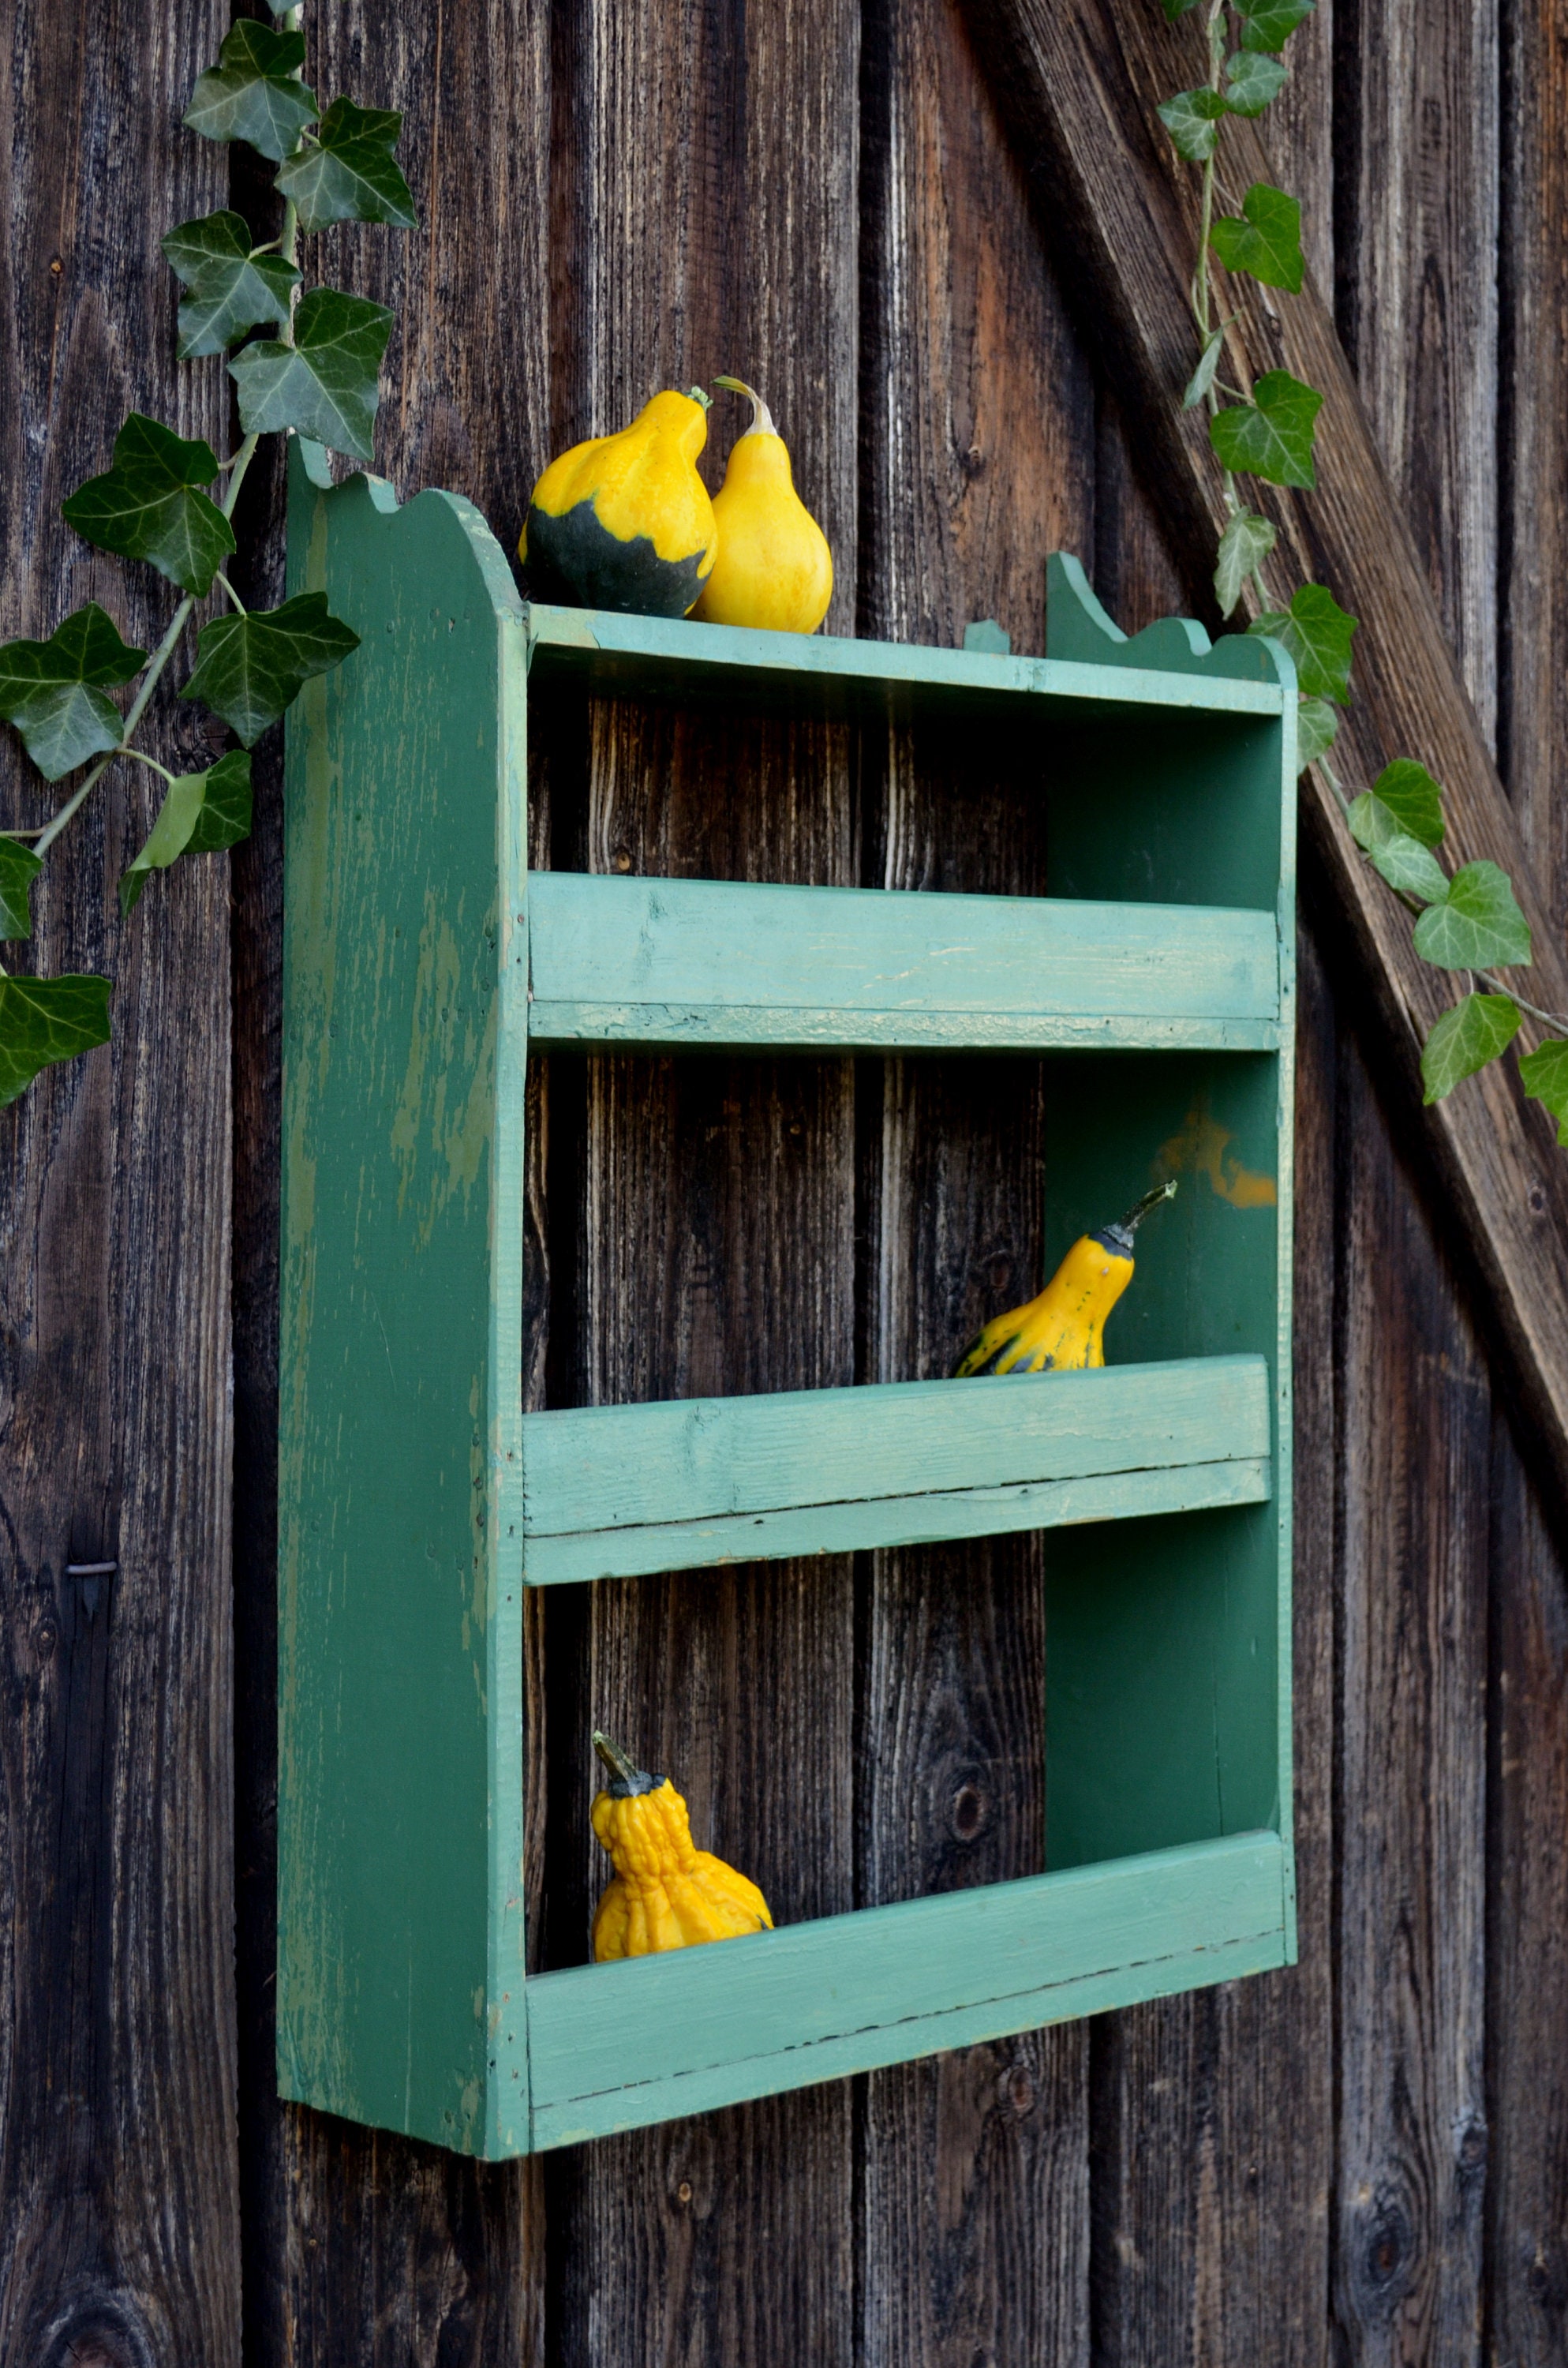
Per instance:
{"type": "Point", "coordinates": [311, 372]}
{"type": "Point", "coordinates": [1467, 922]}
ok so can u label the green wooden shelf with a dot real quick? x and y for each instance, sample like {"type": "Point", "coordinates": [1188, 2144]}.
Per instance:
{"type": "Point", "coordinates": [1153, 984]}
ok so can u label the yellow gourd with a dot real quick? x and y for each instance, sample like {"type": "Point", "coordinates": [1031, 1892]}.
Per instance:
{"type": "Point", "coordinates": [1063, 1331]}
{"type": "Point", "coordinates": [774, 567]}
{"type": "Point", "coordinates": [667, 1894]}
{"type": "Point", "coordinates": [624, 522]}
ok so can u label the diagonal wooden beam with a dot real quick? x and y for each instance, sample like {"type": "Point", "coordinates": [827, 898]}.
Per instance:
{"type": "Point", "coordinates": [1080, 81]}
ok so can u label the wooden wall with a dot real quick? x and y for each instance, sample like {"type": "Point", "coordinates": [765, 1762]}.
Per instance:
{"type": "Point", "coordinates": [1364, 2160]}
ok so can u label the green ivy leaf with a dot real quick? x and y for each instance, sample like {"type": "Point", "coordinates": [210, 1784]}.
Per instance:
{"type": "Point", "coordinates": [1269, 24]}
{"type": "Point", "coordinates": [250, 668]}
{"type": "Point", "coordinates": [201, 813]}
{"type": "Point", "coordinates": [48, 690]}
{"type": "Point", "coordinates": [1544, 1074]}
{"type": "Point", "coordinates": [228, 290]}
{"type": "Point", "coordinates": [1405, 864]}
{"type": "Point", "coordinates": [1174, 8]}
{"type": "Point", "coordinates": [1465, 1039]}
{"type": "Point", "coordinates": [1317, 727]}
{"type": "Point", "coordinates": [325, 385]}
{"type": "Point", "coordinates": [1202, 378]}
{"type": "Point", "coordinates": [1316, 630]}
{"type": "Point", "coordinates": [1412, 798]}
{"type": "Point", "coordinates": [1252, 80]}
{"type": "Point", "coordinates": [1272, 436]}
{"type": "Point", "coordinates": [348, 172]}
{"type": "Point", "coordinates": [1477, 925]}
{"type": "Point", "coordinates": [253, 92]}
{"type": "Point", "coordinates": [19, 867]}
{"type": "Point", "coordinates": [148, 505]}
{"type": "Point", "coordinates": [45, 1019]}
{"type": "Point", "coordinates": [1265, 239]}
{"type": "Point", "coordinates": [1192, 118]}
{"type": "Point", "coordinates": [1246, 545]}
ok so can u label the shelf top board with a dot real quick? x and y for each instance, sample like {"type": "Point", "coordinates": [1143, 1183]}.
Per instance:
{"type": "Point", "coordinates": [820, 675]}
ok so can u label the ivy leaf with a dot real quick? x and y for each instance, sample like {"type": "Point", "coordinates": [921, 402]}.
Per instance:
{"type": "Point", "coordinates": [148, 505]}
{"type": "Point", "coordinates": [1265, 239]}
{"type": "Point", "coordinates": [1252, 80]}
{"type": "Point", "coordinates": [1316, 630]}
{"type": "Point", "coordinates": [1192, 118]}
{"type": "Point", "coordinates": [1272, 436]}
{"type": "Point", "coordinates": [201, 813]}
{"type": "Point", "coordinates": [348, 172]}
{"type": "Point", "coordinates": [45, 1019]}
{"type": "Point", "coordinates": [1465, 1039]}
{"type": "Point", "coordinates": [1412, 798]}
{"type": "Point", "coordinates": [1202, 378]}
{"type": "Point", "coordinates": [51, 691]}
{"type": "Point", "coordinates": [1269, 24]}
{"type": "Point", "coordinates": [252, 93]}
{"type": "Point", "coordinates": [1477, 925]}
{"type": "Point", "coordinates": [1404, 862]}
{"type": "Point", "coordinates": [1317, 727]}
{"type": "Point", "coordinates": [229, 290]}
{"type": "Point", "coordinates": [1544, 1074]}
{"type": "Point", "coordinates": [1246, 545]}
{"type": "Point", "coordinates": [250, 668]}
{"type": "Point", "coordinates": [325, 385]}
{"type": "Point", "coordinates": [1174, 8]}
{"type": "Point", "coordinates": [19, 867]}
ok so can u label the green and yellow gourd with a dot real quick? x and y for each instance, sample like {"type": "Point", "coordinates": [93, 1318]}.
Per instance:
{"type": "Point", "coordinates": [774, 568]}
{"type": "Point", "coordinates": [667, 1894]}
{"type": "Point", "coordinates": [624, 522]}
{"type": "Point", "coordinates": [1062, 1330]}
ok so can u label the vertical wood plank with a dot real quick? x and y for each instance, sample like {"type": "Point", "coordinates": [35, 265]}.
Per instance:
{"type": "Point", "coordinates": [119, 2223]}
{"type": "Point", "coordinates": [1532, 392]}
{"type": "Point", "coordinates": [706, 212]}
{"type": "Point", "coordinates": [1416, 258]}
{"type": "Point", "coordinates": [978, 429]}
{"type": "Point", "coordinates": [361, 2247]}
{"type": "Point", "coordinates": [1527, 2047]}
{"type": "Point", "coordinates": [1409, 1924]}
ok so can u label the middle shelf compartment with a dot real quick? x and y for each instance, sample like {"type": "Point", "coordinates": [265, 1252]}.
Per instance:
{"type": "Point", "coordinates": [620, 1491]}
{"type": "Point", "coordinates": [693, 962]}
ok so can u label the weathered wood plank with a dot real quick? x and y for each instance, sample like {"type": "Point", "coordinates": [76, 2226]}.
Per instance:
{"type": "Point", "coordinates": [676, 961]}
{"type": "Point", "coordinates": [977, 428]}
{"type": "Point", "coordinates": [613, 2046]}
{"type": "Point", "coordinates": [1526, 1900]}
{"type": "Point", "coordinates": [360, 2247]}
{"type": "Point", "coordinates": [119, 2186]}
{"type": "Point", "coordinates": [1083, 82]}
{"type": "Point", "coordinates": [1409, 1925]}
{"type": "Point", "coordinates": [706, 221]}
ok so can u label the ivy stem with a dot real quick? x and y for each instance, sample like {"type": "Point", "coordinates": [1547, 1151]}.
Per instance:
{"type": "Point", "coordinates": [239, 605]}
{"type": "Point", "coordinates": [150, 679]}
{"type": "Point", "coordinates": [139, 757]}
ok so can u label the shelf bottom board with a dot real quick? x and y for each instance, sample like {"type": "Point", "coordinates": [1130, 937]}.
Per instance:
{"type": "Point", "coordinates": [615, 2047]}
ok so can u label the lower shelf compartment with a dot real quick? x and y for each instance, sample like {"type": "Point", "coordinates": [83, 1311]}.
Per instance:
{"type": "Point", "coordinates": [612, 2047]}
{"type": "Point", "coordinates": [617, 1492]}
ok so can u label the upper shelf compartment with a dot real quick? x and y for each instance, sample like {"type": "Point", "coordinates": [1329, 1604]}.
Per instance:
{"type": "Point", "coordinates": [1171, 666]}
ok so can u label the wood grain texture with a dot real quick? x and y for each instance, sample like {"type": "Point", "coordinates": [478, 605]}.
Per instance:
{"type": "Point", "coordinates": [361, 2247]}
{"type": "Point", "coordinates": [119, 2165]}
{"type": "Point", "coordinates": [1532, 371]}
{"type": "Point", "coordinates": [1082, 82]}
{"type": "Point", "coordinates": [978, 431]}
{"type": "Point", "coordinates": [706, 221]}
{"type": "Point", "coordinates": [1409, 1937]}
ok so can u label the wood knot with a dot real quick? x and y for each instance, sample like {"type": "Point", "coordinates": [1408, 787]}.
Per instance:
{"type": "Point", "coordinates": [971, 1812]}
{"type": "Point", "coordinates": [1019, 2090]}
{"type": "Point", "coordinates": [100, 2335]}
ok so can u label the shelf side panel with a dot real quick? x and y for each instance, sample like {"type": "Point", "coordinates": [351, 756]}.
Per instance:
{"type": "Point", "coordinates": [400, 1605]}
{"type": "Point", "coordinates": [691, 961]}
{"type": "Point", "coordinates": [616, 2046]}
{"type": "Point", "coordinates": [616, 1490]}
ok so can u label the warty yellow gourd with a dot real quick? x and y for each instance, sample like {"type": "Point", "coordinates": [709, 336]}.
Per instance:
{"type": "Point", "coordinates": [667, 1894]}
{"type": "Point", "coordinates": [774, 567]}
{"type": "Point", "coordinates": [1062, 1330]}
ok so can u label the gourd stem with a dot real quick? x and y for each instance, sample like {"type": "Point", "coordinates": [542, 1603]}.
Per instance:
{"type": "Point", "coordinates": [761, 418]}
{"type": "Point", "coordinates": [1139, 1209]}
{"type": "Point", "coordinates": [628, 1777]}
